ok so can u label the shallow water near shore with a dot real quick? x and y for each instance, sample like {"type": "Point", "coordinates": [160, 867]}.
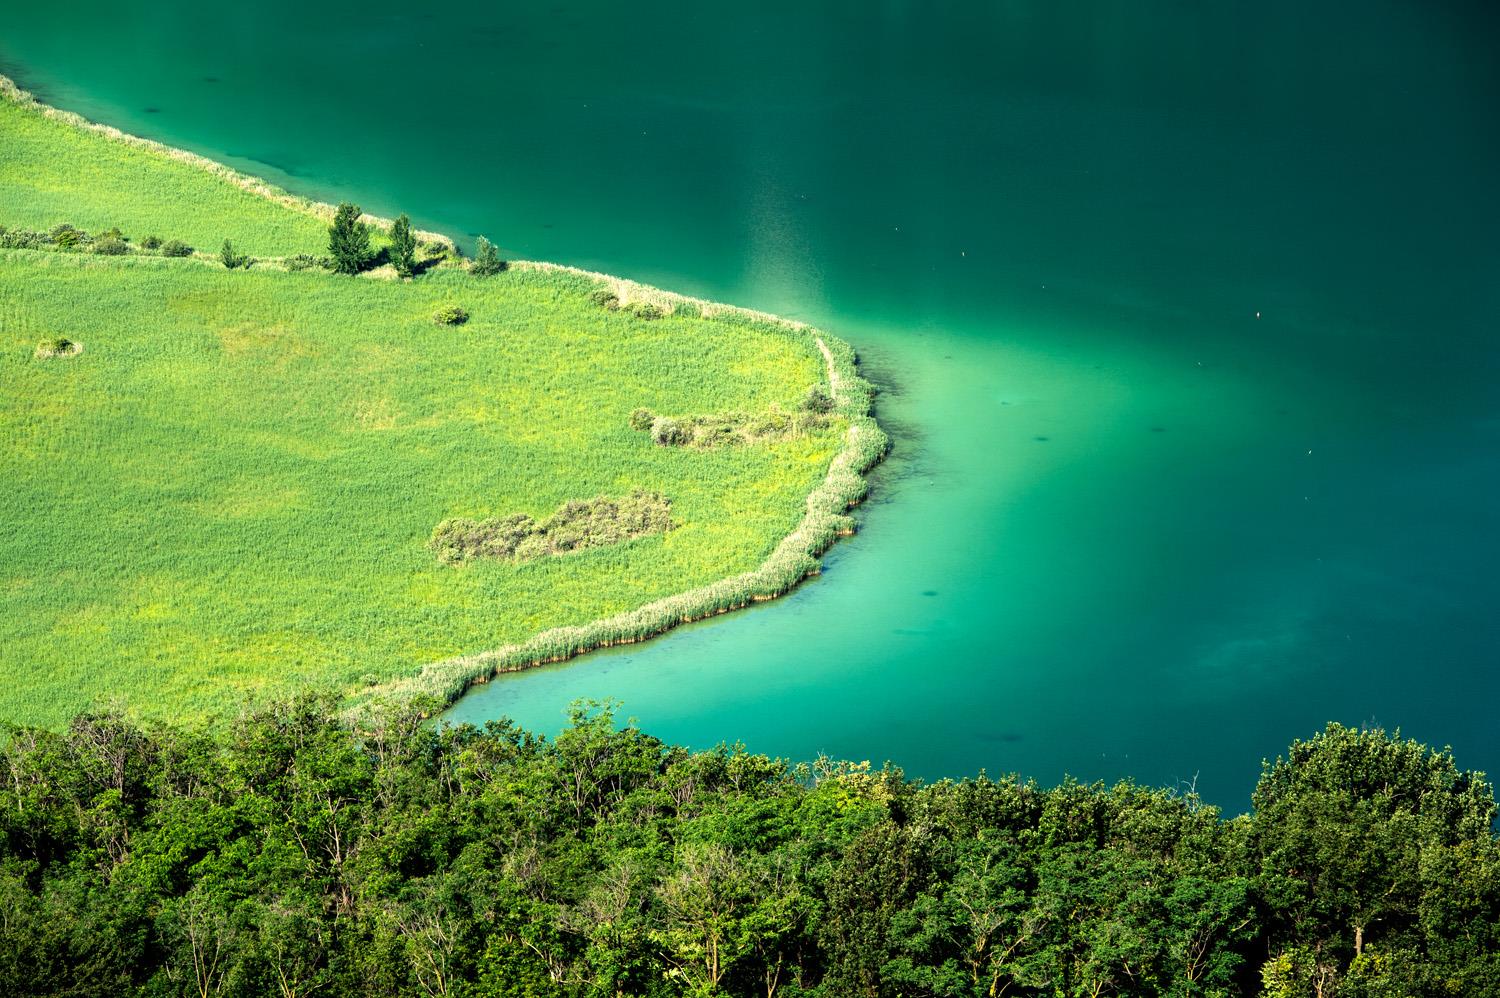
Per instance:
{"type": "Point", "coordinates": [1185, 322]}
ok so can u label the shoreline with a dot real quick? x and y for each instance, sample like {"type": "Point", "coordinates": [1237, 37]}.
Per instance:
{"type": "Point", "coordinates": [792, 560]}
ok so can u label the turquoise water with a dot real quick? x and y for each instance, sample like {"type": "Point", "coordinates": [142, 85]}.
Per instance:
{"type": "Point", "coordinates": [1185, 320]}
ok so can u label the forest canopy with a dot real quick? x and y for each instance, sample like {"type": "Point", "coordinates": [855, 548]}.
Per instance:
{"type": "Point", "coordinates": [292, 852]}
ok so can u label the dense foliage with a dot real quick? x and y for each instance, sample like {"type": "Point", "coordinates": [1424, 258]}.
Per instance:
{"type": "Point", "coordinates": [294, 854]}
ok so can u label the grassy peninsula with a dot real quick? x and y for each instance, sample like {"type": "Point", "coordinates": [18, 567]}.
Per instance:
{"type": "Point", "coordinates": [234, 483]}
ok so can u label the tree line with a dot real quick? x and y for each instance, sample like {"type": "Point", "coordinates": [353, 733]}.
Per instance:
{"type": "Point", "coordinates": [293, 852]}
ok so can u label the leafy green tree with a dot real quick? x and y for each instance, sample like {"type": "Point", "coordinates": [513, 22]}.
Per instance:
{"type": "Point", "coordinates": [704, 904]}
{"type": "Point", "coordinates": [348, 240]}
{"type": "Point", "coordinates": [403, 247]}
{"type": "Point", "coordinates": [1353, 832]}
{"type": "Point", "coordinates": [486, 260]}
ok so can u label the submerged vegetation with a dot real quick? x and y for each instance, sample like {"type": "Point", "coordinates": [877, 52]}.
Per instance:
{"type": "Point", "coordinates": [292, 854]}
{"type": "Point", "coordinates": [235, 488]}
{"type": "Point", "coordinates": [576, 526]}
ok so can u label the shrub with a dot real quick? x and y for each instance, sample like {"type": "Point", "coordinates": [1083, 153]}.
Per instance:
{"type": "Point", "coordinates": [176, 248]}
{"type": "Point", "coordinates": [605, 298]}
{"type": "Point", "coordinates": [576, 526]}
{"type": "Point", "coordinates": [437, 251]}
{"type": "Point", "coordinates": [151, 243]}
{"type": "Point", "coordinates": [668, 432]}
{"type": "Point", "coordinates": [232, 259]}
{"type": "Point", "coordinates": [403, 247]}
{"type": "Point", "coordinates": [306, 261]}
{"type": "Point", "coordinates": [641, 420]}
{"type": "Point", "coordinates": [348, 240]}
{"type": "Point", "coordinates": [486, 260]}
{"type": "Point", "coordinates": [113, 232]}
{"type": "Point", "coordinates": [646, 310]}
{"type": "Point", "coordinates": [67, 237]}
{"type": "Point", "coordinates": [111, 246]}
{"type": "Point", "coordinates": [450, 315]}
{"type": "Point", "coordinates": [24, 239]}
{"type": "Point", "coordinates": [817, 400]}
{"type": "Point", "coordinates": [58, 347]}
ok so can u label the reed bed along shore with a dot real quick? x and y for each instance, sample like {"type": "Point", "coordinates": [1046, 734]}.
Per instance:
{"type": "Point", "coordinates": [793, 560]}
{"type": "Point", "coordinates": [249, 339]}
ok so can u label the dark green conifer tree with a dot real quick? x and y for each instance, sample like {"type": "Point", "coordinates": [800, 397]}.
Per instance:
{"type": "Point", "coordinates": [403, 247]}
{"type": "Point", "coordinates": [348, 240]}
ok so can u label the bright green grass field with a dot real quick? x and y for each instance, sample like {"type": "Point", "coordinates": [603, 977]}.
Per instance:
{"type": "Point", "coordinates": [232, 487]}
{"type": "Point", "coordinates": [52, 172]}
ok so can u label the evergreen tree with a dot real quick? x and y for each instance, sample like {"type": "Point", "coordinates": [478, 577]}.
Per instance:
{"type": "Point", "coordinates": [486, 261]}
{"type": "Point", "coordinates": [403, 247]}
{"type": "Point", "coordinates": [348, 240]}
{"type": "Point", "coordinates": [231, 258]}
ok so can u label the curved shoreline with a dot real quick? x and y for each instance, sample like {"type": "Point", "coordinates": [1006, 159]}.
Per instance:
{"type": "Point", "coordinates": [793, 559]}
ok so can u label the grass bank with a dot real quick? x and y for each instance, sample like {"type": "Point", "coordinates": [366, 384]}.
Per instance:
{"type": "Point", "coordinates": [231, 488]}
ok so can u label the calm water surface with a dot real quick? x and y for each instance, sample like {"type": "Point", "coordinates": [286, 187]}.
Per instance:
{"type": "Point", "coordinates": [1185, 320]}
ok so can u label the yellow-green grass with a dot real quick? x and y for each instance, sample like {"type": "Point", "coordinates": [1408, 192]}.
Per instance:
{"type": "Point", "coordinates": [232, 487]}
{"type": "Point", "coordinates": [52, 171]}
{"type": "Point", "coordinates": [228, 486]}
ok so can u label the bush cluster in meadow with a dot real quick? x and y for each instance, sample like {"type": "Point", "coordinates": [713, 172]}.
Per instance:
{"type": "Point", "coordinates": [576, 526]}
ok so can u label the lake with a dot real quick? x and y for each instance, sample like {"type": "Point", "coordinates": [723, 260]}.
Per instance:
{"type": "Point", "coordinates": [1184, 318]}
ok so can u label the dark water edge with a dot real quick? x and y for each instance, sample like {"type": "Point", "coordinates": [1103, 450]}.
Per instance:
{"type": "Point", "coordinates": [1129, 527]}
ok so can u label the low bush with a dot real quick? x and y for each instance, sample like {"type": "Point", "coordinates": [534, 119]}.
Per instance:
{"type": "Point", "coordinates": [67, 237]}
{"type": "Point", "coordinates": [306, 261]}
{"type": "Point", "coordinates": [176, 248]}
{"type": "Point", "coordinates": [151, 243]}
{"type": "Point", "coordinates": [646, 310]}
{"type": "Point", "coordinates": [816, 400]}
{"type": "Point", "coordinates": [451, 315]}
{"type": "Point", "coordinates": [668, 432]}
{"type": "Point", "coordinates": [232, 259]}
{"type": "Point", "coordinates": [58, 347]}
{"type": "Point", "coordinates": [24, 239]}
{"type": "Point", "coordinates": [724, 429]}
{"type": "Point", "coordinates": [111, 246]}
{"type": "Point", "coordinates": [605, 298]}
{"type": "Point", "coordinates": [576, 526]}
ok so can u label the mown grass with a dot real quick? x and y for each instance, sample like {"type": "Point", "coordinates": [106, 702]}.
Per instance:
{"type": "Point", "coordinates": [232, 488]}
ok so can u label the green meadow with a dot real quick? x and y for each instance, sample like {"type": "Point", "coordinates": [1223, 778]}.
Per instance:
{"type": "Point", "coordinates": [52, 171]}
{"type": "Point", "coordinates": [232, 487]}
